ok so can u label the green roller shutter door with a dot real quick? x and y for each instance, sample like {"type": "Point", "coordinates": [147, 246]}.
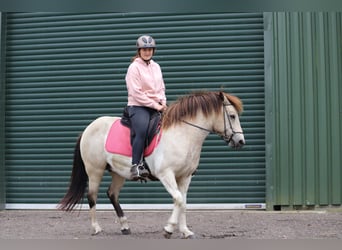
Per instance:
{"type": "Point", "coordinates": [65, 70]}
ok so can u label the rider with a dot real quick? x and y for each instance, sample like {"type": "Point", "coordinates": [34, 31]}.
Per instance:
{"type": "Point", "coordinates": [146, 95]}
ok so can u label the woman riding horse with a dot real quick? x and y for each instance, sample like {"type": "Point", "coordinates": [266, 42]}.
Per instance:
{"type": "Point", "coordinates": [146, 96]}
{"type": "Point", "coordinates": [186, 124]}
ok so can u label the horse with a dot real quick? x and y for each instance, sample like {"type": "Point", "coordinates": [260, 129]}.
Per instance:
{"type": "Point", "coordinates": [185, 125]}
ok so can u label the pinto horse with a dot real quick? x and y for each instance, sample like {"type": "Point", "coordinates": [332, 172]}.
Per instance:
{"type": "Point", "coordinates": [185, 125]}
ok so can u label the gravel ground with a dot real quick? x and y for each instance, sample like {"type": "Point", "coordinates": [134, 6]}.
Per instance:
{"type": "Point", "coordinates": [147, 224]}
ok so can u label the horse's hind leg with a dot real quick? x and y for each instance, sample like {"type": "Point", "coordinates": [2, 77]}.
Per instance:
{"type": "Point", "coordinates": [113, 195]}
{"type": "Point", "coordinates": [94, 183]}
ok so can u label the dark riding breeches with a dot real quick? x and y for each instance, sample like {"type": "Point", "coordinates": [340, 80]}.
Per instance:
{"type": "Point", "coordinates": [139, 118]}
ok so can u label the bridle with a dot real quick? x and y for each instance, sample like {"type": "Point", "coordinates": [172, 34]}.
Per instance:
{"type": "Point", "coordinates": [224, 136]}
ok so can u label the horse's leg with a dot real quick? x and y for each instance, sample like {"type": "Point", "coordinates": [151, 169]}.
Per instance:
{"type": "Point", "coordinates": [94, 183]}
{"type": "Point", "coordinates": [183, 185]}
{"type": "Point", "coordinates": [113, 195]}
{"type": "Point", "coordinates": [172, 222]}
{"type": "Point", "coordinates": [169, 182]}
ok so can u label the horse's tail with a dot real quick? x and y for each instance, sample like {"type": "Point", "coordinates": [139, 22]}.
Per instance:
{"type": "Point", "coordinates": [78, 182]}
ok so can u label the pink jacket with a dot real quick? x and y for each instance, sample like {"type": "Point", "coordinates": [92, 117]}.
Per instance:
{"type": "Point", "coordinates": [145, 84]}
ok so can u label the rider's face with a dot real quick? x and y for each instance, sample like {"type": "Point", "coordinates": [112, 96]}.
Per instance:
{"type": "Point", "coordinates": [146, 53]}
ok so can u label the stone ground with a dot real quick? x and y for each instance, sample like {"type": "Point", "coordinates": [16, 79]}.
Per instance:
{"type": "Point", "coordinates": [147, 224]}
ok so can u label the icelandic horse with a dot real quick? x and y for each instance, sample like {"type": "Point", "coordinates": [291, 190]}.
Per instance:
{"type": "Point", "coordinates": [185, 125]}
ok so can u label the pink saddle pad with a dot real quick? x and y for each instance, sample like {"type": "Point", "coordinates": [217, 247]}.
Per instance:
{"type": "Point", "coordinates": [119, 140]}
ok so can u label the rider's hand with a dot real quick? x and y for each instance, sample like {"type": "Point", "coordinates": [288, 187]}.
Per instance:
{"type": "Point", "coordinates": [162, 107]}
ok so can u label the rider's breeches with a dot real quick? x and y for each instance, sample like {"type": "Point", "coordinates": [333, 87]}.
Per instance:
{"type": "Point", "coordinates": [140, 118]}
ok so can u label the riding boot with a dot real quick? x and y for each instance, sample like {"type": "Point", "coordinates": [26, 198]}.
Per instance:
{"type": "Point", "coordinates": [138, 171]}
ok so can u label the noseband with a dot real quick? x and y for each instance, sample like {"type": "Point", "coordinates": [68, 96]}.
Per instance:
{"type": "Point", "coordinates": [224, 136]}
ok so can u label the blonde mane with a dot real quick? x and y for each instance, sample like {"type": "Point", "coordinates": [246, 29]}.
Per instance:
{"type": "Point", "coordinates": [187, 107]}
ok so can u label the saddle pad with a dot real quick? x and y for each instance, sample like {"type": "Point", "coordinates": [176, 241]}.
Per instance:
{"type": "Point", "coordinates": [119, 140]}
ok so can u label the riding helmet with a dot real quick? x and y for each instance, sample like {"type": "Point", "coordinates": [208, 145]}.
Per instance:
{"type": "Point", "coordinates": [146, 41]}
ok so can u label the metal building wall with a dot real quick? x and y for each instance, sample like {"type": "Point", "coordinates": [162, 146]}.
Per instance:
{"type": "Point", "coordinates": [304, 109]}
{"type": "Point", "coordinates": [65, 69]}
{"type": "Point", "coordinates": [2, 112]}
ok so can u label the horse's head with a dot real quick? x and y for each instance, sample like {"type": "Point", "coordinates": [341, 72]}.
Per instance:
{"type": "Point", "coordinates": [228, 125]}
{"type": "Point", "coordinates": [222, 108]}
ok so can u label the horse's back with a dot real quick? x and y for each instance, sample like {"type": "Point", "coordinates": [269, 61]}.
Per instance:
{"type": "Point", "coordinates": [101, 124]}
{"type": "Point", "coordinates": [105, 119]}
{"type": "Point", "coordinates": [95, 134]}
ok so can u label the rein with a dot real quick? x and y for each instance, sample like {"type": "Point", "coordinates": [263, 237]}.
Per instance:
{"type": "Point", "coordinates": [225, 136]}
{"type": "Point", "coordinates": [196, 126]}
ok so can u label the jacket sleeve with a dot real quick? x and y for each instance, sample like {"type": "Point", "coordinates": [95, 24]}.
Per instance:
{"type": "Point", "coordinates": [162, 95]}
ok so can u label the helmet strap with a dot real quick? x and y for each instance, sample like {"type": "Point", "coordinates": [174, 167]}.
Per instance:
{"type": "Point", "coordinates": [147, 61]}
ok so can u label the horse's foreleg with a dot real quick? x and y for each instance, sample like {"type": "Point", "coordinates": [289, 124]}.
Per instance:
{"type": "Point", "coordinates": [92, 197]}
{"type": "Point", "coordinates": [172, 221]}
{"type": "Point", "coordinates": [183, 185]}
{"type": "Point", "coordinates": [113, 195]}
{"type": "Point", "coordinates": [169, 182]}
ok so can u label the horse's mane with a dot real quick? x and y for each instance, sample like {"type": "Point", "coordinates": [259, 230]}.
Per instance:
{"type": "Point", "coordinates": [186, 107]}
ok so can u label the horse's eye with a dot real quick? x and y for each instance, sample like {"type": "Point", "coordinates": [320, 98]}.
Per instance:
{"type": "Point", "coordinates": [232, 117]}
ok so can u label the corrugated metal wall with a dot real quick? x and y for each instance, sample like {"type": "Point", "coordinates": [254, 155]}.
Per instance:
{"type": "Point", "coordinates": [64, 70]}
{"type": "Point", "coordinates": [2, 112]}
{"type": "Point", "coordinates": [305, 169]}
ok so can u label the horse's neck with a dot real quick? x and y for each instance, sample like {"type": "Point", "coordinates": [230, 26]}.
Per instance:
{"type": "Point", "coordinates": [193, 132]}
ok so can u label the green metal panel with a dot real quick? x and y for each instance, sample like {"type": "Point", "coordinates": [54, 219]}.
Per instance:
{"type": "Point", "coordinates": [64, 70]}
{"type": "Point", "coordinates": [2, 111]}
{"type": "Point", "coordinates": [307, 120]}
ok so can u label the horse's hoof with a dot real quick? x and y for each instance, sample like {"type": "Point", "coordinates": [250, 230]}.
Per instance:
{"type": "Point", "coordinates": [190, 237]}
{"type": "Point", "coordinates": [167, 235]}
{"type": "Point", "coordinates": [126, 231]}
{"type": "Point", "coordinates": [96, 232]}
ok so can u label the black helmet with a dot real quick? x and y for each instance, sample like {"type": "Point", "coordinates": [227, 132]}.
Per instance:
{"type": "Point", "coordinates": [146, 42]}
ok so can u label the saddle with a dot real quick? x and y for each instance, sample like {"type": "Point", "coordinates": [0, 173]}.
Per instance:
{"type": "Point", "coordinates": [119, 139]}
{"type": "Point", "coordinates": [153, 128]}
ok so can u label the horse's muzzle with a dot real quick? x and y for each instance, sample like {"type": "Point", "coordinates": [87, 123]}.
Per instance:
{"type": "Point", "coordinates": [236, 141]}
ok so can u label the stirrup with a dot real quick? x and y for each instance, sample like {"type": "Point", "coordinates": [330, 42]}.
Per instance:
{"type": "Point", "coordinates": [139, 172]}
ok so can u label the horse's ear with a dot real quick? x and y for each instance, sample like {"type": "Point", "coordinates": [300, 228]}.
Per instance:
{"type": "Point", "coordinates": [222, 95]}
